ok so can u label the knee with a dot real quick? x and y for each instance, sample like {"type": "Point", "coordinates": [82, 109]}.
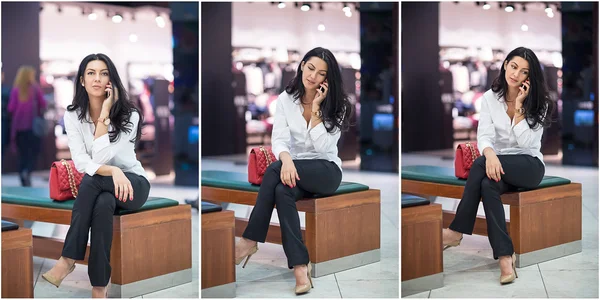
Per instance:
{"type": "Point", "coordinates": [88, 181]}
{"type": "Point", "coordinates": [106, 202]}
{"type": "Point", "coordinates": [480, 161]}
{"type": "Point", "coordinates": [274, 169]}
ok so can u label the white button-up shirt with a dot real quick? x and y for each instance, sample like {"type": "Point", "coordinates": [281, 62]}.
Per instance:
{"type": "Point", "coordinates": [89, 154]}
{"type": "Point", "coordinates": [498, 131]}
{"type": "Point", "coordinates": [291, 134]}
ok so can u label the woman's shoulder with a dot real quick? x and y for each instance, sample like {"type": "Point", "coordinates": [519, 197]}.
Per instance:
{"type": "Point", "coordinates": [490, 95]}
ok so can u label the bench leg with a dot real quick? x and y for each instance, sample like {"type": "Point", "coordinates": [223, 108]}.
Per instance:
{"type": "Point", "coordinates": [151, 251]}
{"type": "Point", "coordinates": [17, 264]}
{"type": "Point", "coordinates": [546, 230]}
{"type": "Point", "coordinates": [218, 255]}
{"type": "Point", "coordinates": [344, 238]}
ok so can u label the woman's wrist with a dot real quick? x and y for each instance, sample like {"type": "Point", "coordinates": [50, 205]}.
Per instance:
{"type": "Point", "coordinates": [316, 108]}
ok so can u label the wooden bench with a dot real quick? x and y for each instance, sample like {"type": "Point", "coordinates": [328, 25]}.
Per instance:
{"type": "Point", "coordinates": [422, 264]}
{"type": "Point", "coordinates": [17, 261]}
{"type": "Point", "coordinates": [151, 247]}
{"type": "Point", "coordinates": [342, 230]}
{"type": "Point", "coordinates": [545, 223]}
{"type": "Point", "coordinates": [218, 252]}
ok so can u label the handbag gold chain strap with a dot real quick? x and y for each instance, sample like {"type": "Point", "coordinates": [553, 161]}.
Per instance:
{"type": "Point", "coordinates": [71, 177]}
{"type": "Point", "coordinates": [264, 151]}
{"type": "Point", "coordinates": [472, 151]}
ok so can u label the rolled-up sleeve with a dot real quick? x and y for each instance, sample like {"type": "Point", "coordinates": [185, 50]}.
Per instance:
{"type": "Point", "coordinates": [280, 137]}
{"type": "Point", "coordinates": [103, 150]}
{"type": "Point", "coordinates": [486, 132]}
{"type": "Point", "coordinates": [83, 161]}
{"type": "Point", "coordinates": [322, 140]}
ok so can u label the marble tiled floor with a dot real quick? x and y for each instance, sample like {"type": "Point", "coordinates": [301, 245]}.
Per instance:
{"type": "Point", "coordinates": [77, 284]}
{"type": "Point", "coordinates": [470, 271]}
{"type": "Point", "coordinates": [267, 275]}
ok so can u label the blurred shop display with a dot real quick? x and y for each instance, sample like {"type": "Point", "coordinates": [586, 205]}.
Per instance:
{"type": "Point", "coordinates": [580, 83]}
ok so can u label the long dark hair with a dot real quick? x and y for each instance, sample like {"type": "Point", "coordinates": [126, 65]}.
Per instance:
{"type": "Point", "coordinates": [538, 105]}
{"type": "Point", "coordinates": [336, 107]}
{"type": "Point", "coordinates": [120, 112]}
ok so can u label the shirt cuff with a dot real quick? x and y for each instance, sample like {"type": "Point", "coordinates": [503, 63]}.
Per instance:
{"type": "Point", "coordinates": [278, 149]}
{"type": "Point", "coordinates": [91, 168]}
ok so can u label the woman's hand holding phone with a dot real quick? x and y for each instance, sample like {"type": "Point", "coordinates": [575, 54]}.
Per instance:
{"type": "Point", "coordinates": [523, 91]}
{"type": "Point", "coordinates": [112, 95]}
{"type": "Point", "coordinates": [321, 94]}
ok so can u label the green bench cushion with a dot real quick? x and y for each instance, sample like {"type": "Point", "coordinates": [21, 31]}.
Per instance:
{"type": "Point", "coordinates": [39, 197]}
{"type": "Point", "coordinates": [446, 176]}
{"type": "Point", "coordinates": [239, 181]}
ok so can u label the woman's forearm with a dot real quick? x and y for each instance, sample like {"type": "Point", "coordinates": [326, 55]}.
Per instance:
{"type": "Point", "coordinates": [285, 157]}
{"type": "Point", "coordinates": [105, 170]}
{"type": "Point", "coordinates": [488, 151]}
{"type": "Point", "coordinates": [101, 128]}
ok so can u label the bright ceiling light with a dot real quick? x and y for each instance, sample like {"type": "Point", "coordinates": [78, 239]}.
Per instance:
{"type": "Point", "coordinates": [321, 27]}
{"type": "Point", "coordinates": [133, 38]}
{"type": "Point", "coordinates": [509, 8]}
{"type": "Point", "coordinates": [160, 21]}
{"type": "Point", "coordinates": [281, 5]}
{"type": "Point", "coordinates": [117, 18]}
{"type": "Point", "coordinates": [92, 17]}
{"type": "Point", "coordinates": [487, 6]}
{"type": "Point", "coordinates": [305, 7]}
{"type": "Point", "coordinates": [524, 27]}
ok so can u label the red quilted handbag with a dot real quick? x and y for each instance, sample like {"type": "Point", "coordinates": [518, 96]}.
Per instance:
{"type": "Point", "coordinates": [466, 154]}
{"type": "Point", "coordinates": [260, 158]}
{"type": "Point", "coordinates": [64, 180]}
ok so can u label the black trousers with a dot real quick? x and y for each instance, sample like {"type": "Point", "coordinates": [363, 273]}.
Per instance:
{"type": "Point", "coordinates": [28, 146]}
{"type": "Point", "coordinates": [316, 177]}
{"type": "Point", "coordinates": [521, 171]}
{"type": "Point", "coordinates": [94, 208]}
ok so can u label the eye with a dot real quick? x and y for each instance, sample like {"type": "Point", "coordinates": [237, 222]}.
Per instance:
{"type": "Point", "coordinates": [90, 73]}
{"type": "Point", "coordinates": [513, 67]}
{"type": "Point", "coordinates": [312, 69]}
{"type": "Point", "coordinates": [105, 73]}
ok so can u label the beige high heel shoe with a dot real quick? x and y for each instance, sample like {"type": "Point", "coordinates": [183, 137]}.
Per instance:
{"type": "Point", "coordinates": [302, 289]}
{"type": "Point", "coordinates": [55, 281]}
{"type": "Point", "coordinates": [454, 243]}
{"type": "Point", "coordinates": [510, 278]}
{"type": "Point", "coordinates": [252, 251]}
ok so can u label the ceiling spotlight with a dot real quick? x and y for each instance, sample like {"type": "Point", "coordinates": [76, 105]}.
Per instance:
{"type": "Point", "coordinates": [59, 9]}
{"type": "Point", "coordinates": [486, 6]}
{"type": "Point", "coordinates": [346, 7]}
{"type": "Point", "coordinates": [281, 5]}
{"type": "Point", "coordinates": [296, 4]}
{"type": "Point", "coordinates": [524, 27]}
{"type": "Point", "coordinates": [92, 16]}
{"type": "Point", "coordinates": [321, 27]}
{"type": "Point", "coordinates": [133, 16]}
{"type": "Point", "coordinates": [500, 5]}
{"type": "Point", "coordinates": [305, 7]}
{"type": "Point", "coordinates": [550, 14]}
{"type": "Point", "coordinates": [160, 21]}
{"type": "Point", "coordinates": [321, 6]}
{"type": "Point", "coordinates": [133, 38]}
{"type": "Point", "coordinates": [83, 11]}
{"type": "Point", "coordinates": [348, 14]}
{"type": "Point", "coordinates": [509, 8]}
{"type": "Point", "coordinates": [548, 9]}
{"type": "Point", "coordinates": [524, 8]}
{"type": "Point", "coordinates": [117, 18]}
{"type": "Point", "coordinates": [356, 6]}
{"type": "Point", "coordinates": [477, 3]}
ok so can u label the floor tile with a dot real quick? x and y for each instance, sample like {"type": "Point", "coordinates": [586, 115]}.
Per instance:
{"type": "Point", "coordinates": [387, 268]}
{"type": "Point", "coordinates": [367, 288]}
{"type": "Point", "coordinates": [571, 284]}
{"type": "Point", "coordinates": [486, 284]}
{"type": "Point", "coordinates": [325, 287]}
{"type": "Point", "coordinates": [418, 295]}
{"type": "Point", "coordinates": [586, 260]}
{"type": "Point", "coordinates": [462, 260]}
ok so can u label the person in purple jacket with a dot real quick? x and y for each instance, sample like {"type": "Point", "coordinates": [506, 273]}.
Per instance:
{"type": "Point", "coordinates": [26, 102]}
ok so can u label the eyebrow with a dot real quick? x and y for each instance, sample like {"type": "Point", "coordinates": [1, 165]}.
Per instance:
{"type": "Point", "coordinates": [95, 70]}
{"type": "Point", "coordinates": [316, 67]}
{"type": "Point", "coordinates": [512, 62]}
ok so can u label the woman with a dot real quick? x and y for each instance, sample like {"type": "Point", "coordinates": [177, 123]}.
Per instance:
{"type": "Point", "coordinates": [308, 124]}
{"type": "Point", "coordinates": [513, 115]}
{"type": "Point", "coordinates": [25, 103]}
{"type": "Point", "coordinates": [102, 126]}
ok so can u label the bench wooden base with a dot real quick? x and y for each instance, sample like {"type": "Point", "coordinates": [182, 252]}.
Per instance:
{"type": "Point", "coordinates": [17, 264]}
{"type": "Point", "coordinates": [145, 246]}
{"type": "Point", "coordinates": [544, 224]}
{"type": "Point", "coordinates": [342, 231]}
{"type": "Point", "coordinates": [422, 267]}
{"type": "Point", "coordinates": [218, 254]}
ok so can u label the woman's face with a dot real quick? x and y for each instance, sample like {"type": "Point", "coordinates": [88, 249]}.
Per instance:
{"type": "Point", "coordinates": [517, 71]}
{"type": "Point", "coordinates": [95, 78]}
{"type": "Point", "coordinates": [314, 72]}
